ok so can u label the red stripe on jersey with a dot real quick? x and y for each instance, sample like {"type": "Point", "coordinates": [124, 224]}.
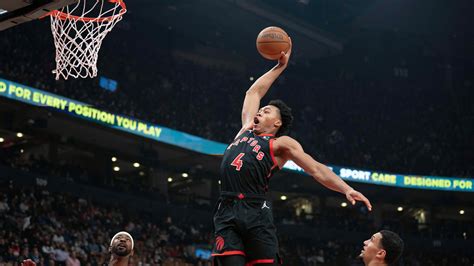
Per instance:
{"type": "Point", "coordinates": [228, 253]}
{"type": "Point", "coordinates": [271, 171]}
{"type": "Point", "coordinates": [272, 154]}
{"type": "Point", "coordinates": [265, 261]}
{"type": "Point", "coordinates": [266, 135]}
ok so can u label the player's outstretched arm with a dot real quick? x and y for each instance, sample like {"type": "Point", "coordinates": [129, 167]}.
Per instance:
{"type": "Point", "coordinates": [290, 149]}
{"type": "Point", "coordinates": [260, 87]}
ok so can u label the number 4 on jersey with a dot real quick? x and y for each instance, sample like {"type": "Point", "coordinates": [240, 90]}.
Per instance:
{"type": "Point", "coordinates": [237, 162]}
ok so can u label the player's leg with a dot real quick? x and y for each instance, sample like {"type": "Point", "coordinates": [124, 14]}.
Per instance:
{"type": "Point", "coordinates": [263, 253]}
{"type": "Point", "coordinates": [261, 243]}
{"type": "Point", "coordinates": [228, 247]}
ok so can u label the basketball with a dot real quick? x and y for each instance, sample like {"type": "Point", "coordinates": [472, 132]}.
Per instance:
{"type": "Point", "coordinates": [271, 41]}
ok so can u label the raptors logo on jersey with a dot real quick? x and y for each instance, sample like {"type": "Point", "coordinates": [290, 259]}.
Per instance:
{"type": "Point", "coordinates": [248, 164]}
{"type": "Point", "coordinates": [219, 243]}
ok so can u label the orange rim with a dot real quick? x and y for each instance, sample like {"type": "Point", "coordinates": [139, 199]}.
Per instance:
{"type": "Point", "coordinates": [65, 16]}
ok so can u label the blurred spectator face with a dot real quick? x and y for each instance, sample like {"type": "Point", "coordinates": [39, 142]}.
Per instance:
{"type": "Point", "coordinates": [121, 246]}
{"type": "Point", "coordinates": [15, 249]}
{"type": "Point", "coordinates": [372, 249]}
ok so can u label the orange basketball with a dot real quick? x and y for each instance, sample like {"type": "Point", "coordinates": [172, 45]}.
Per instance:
{"type": "Point", "coordinates": [272, 41]}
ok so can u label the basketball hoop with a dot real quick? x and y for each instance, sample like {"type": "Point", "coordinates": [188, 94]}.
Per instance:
{"type": "Point", "coordinates": [78, 32]}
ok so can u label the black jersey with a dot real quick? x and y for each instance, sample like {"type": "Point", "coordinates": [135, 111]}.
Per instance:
{"type": "Point", "coordinates": [248, 164]}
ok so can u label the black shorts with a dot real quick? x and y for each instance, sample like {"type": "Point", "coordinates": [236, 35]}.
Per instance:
{"type": "Point", "coordinates": [245, 227]}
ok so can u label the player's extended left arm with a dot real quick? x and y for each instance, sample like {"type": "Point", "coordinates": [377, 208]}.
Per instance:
{"type": "Point", "coordinates": [322, 173]}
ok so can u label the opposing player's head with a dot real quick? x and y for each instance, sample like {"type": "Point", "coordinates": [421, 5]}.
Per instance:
{"type": "Point", "coordinates": [121, 245]}
{"type": "Point", "coordinates": [384, 247]}
{"type": "Point", "coordinates": [275, 118]}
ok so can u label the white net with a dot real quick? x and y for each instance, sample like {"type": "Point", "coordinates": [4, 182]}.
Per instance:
{"type": "Point", "coordinates": [78, 32]}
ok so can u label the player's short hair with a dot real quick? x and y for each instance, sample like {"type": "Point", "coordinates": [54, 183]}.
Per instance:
{"type": "Point", "coordinates": [393, 246]}
{"type": "Point", "coordinates": [286, 117]}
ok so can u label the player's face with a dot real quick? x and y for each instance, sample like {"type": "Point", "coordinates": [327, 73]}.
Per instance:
{"type": "Point", "coordinates": [267, 120]}
{"type": "Point", "coordinates": [372, 248]}
{"type": "Point", "coordinates": [121, 246]}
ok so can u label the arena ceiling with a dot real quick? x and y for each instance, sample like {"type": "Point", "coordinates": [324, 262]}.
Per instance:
{"type": "Point", "coordinates": [231, 26]}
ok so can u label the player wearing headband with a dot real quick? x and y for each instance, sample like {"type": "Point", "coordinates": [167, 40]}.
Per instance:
{"type": "Point", "coordinates": [121, 249]}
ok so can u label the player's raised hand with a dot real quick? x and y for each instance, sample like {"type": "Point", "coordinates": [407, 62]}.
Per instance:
{"type": "Point", "coordinates": [28, 262]}
{"type": "Point", "coordinates": [353, 196]}
{"type": "Point", "coordinates": [285, 57]}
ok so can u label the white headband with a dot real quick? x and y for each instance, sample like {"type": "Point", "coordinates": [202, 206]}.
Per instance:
{"type": "Point", "coordinates": [122, 233]}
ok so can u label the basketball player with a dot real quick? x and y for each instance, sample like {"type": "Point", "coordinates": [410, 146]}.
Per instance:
{"type": "Point", "coordinates": [383, 248]}
{"type": "Point", "coordinates": [121, 249]}
{"type": "Point", "coordinates": [243, 221]}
